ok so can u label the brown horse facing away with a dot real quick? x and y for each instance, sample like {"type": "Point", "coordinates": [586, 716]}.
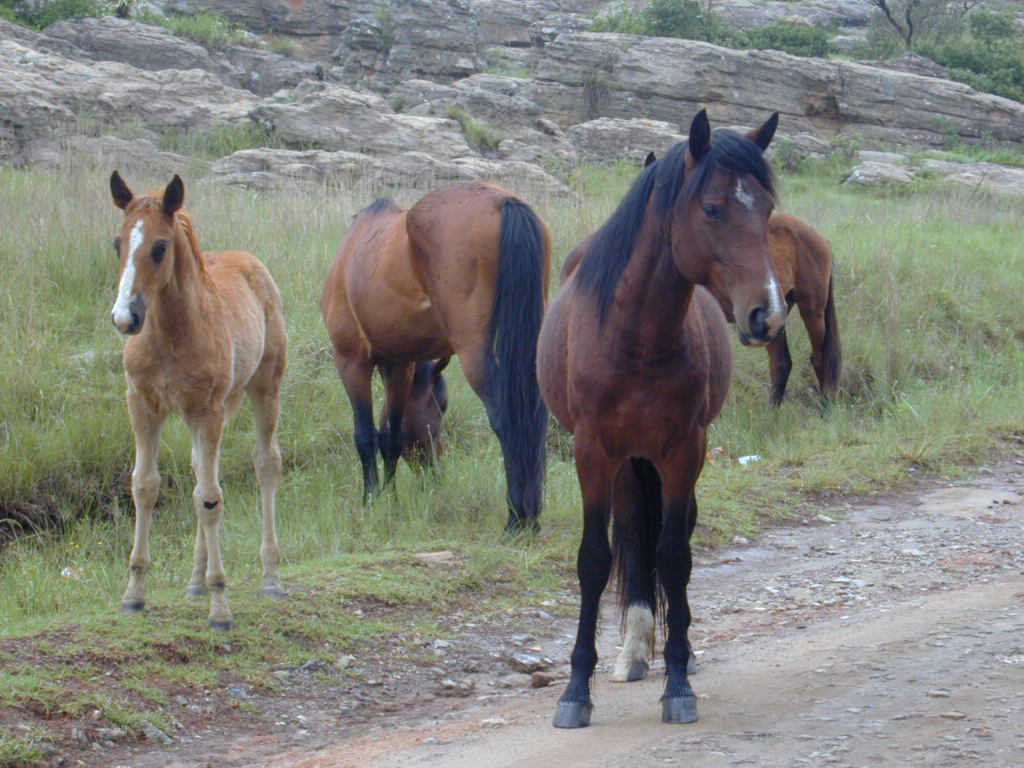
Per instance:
{"type": "Point", "coordinates": [634, 359]}
{"type": "Point", "coordinates": [802, 259]}
{"type": "Point", "coordinates": [205, 329]}
{"type": "Point", "coordinates": [463, 272]}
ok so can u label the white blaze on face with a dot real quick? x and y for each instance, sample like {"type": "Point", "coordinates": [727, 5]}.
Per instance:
{"type": "Point", "coordinates": [743, 196]}
{"type": "Point", "coordinates": [122, 306]}
{"type": "Point", "coordinates": [772, 286]}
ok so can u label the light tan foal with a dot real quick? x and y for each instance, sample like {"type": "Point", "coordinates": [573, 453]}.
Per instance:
{"type": "Point", "coordinates": [204, 331]}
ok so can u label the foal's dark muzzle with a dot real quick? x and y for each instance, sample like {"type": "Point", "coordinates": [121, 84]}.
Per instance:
{"type": "Point", "coordinates": [137, 309]}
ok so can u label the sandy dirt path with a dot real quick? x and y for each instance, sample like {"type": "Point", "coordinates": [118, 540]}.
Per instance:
{"type": "Point", "coordinates": [891, 636]}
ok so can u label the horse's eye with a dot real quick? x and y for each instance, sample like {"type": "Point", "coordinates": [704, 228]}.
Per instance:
{"type": "Point", "coordinates": [117, 245]}
{"type": "Point", "coordinates": [712, 211]}
{"type": "Point", "coordinates": [159, 249]}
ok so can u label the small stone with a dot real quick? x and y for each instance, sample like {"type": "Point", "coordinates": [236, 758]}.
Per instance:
{"type": "Point", "coordinates": [541, 679]}
{"type": "Point", "coordinates": [953, 715]}
{"type": "Point", "coordinates": [493, 722]}
{"type": "Point", "coordinates": [526, 662]}
{"type": "Point", "coordinates": [153, 734]}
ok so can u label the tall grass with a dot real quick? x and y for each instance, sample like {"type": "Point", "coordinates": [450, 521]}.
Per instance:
{"type": "Point", "coordinates": [927, 284]}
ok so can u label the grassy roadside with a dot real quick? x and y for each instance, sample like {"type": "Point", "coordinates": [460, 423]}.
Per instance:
{"type": "Point", "coordinates": [927, 283]}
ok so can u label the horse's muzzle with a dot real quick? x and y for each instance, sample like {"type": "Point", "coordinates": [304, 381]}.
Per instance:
{"type": "Point", "coordinates": [761, 327]}
{"type": "Point", "coordinates": [137, 316]}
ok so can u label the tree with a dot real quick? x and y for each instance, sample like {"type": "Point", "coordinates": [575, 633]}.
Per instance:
{"type": "Point", "coordinates": [909, 17]}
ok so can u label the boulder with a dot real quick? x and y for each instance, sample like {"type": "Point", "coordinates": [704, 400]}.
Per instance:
{"type": "Point", "coordinates": [279, 168]}
{"type": "Point", "coordinates": [992, 177]}
{"type": "Point", "coordinates": [874, 174]}
{"type": "Point", "coordinates": [138, 156]}
{"type": "Point", "coordinates": [609, 139]}
{"type": "Point", "coordinates": [337, 117]}
{"type": "Point", "coordinates": [507, 22]}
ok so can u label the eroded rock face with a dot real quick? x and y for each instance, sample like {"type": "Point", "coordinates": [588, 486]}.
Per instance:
{"type": "Point", "coordinates": [46, 94]}
{"type": "Point", "coordinates": [608, 139]}
{"type": "Point", "coordinates": [585, 76]}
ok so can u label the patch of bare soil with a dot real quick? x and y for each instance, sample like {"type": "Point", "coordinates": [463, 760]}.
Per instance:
{"type": "Point", "coordinates": [887, 631]}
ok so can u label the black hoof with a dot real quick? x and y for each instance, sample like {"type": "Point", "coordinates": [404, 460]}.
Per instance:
{"type": "Point", "coordinates": [691, 665]}
{"type": "Point", "coordinates": [637, 670]}
{"type": "Point", "coordinates": [133, 606]}
{"type": "Point", "coordinates": [273, 591]}
{"type": "Point", "coordinates": [680, 709]}
{"type": "Point", "coordinates": [196, 590]}
{"type": "Point", "coordinates": [222, 626]}
{"type": "Point", "coordinates": [573, 714]}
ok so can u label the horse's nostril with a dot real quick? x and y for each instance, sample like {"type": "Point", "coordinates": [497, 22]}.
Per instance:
{"type": "Point", "coordinates": [758, 324]}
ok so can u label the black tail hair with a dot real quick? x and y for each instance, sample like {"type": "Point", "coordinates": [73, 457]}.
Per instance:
{"type": "Point", "coordinates": [831, 349]}
{"type": "Point", "coordinates": [515, 324]}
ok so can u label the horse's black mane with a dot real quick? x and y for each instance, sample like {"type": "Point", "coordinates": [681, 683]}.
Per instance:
{"type": "Point", "coordinates": [662, 184]}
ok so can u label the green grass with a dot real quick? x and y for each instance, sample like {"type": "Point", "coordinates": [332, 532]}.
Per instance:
{"type": "Point", "coordinates": [927, 283]}
{"type": "Point", "coordinates": [480, 136]}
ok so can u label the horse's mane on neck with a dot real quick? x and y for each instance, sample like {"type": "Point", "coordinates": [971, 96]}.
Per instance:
{"type": "Point", "coordinates": [663, 185]}
{"type": "Point", "coordinates": [183, 223]}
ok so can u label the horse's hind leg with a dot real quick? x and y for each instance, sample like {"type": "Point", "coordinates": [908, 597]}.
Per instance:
{"type": "Point", "coordinates": [146, 424]}
{"type": "Point", "coordinates": [266, 456]}
{"type": "Point", "coordinates": [208, 501]}
{"type": "Point", "coordinates": [637, 509]}
{"type": "Point", "coordinates": [356, 375]}
{"type": "Point", "coordinates": [814, 321]}
{"type": "Point", "coordinates": [779, 365]}
{"type": "Point", "coordinates": [397, 381]}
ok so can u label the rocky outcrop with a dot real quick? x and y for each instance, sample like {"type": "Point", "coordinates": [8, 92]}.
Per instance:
{"type": "Point", "coordinates": [364, 175]}
{"type": "Point", "coordinates": [108, 152]}
{"type": "Point", "coordinates": [337, 117]}
{"type": "Point", "coordinates": [585, 76]}
{"type": "Point", "coordinates": [746, 14]}
{"type": "Point", "coordinates": [45, 95]}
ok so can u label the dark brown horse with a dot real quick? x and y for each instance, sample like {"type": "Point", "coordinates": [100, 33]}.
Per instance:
{"type": "Point", "coordinates": [802, 259]}
{"type": "Point", "coordinates": [634, 360]}
{"type": "Point", "coordinates": [463, 272]}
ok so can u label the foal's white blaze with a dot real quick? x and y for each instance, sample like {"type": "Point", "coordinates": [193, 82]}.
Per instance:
{"type": "Point", "coordinates": [122, 307]}
{"type": "Point", "coordinates": [638, 644]}
{"type": "Point", "coordinates": [743, 196]}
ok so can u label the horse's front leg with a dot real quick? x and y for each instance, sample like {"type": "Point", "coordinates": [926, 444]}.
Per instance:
{"type": "Point", "coordinates": [675, 563]}
{"type": "Point", "coordinates": [397, 382]}
{"type": "Point", "coordinates": [146, 424]}
{"type": "Point", "coordinates": [593, 566]}
{"type": "Point", "coordinates": [208, 501]}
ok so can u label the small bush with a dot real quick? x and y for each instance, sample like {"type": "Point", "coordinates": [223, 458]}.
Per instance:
{"type": "Point", "coordinates": [797, 39]}
{"type": "Point", "coordinates": [991, 64]}
{"type": "Point", "coordinates": [42, 13]}
{"type": "Point", "coordinates": [209, 29]}
{"type": "Point", "coordinates": [218, 141]}
{"type": "Point", "coordinates": [479, 136]}
{"type": "Point", "coordinates": [285, 46]}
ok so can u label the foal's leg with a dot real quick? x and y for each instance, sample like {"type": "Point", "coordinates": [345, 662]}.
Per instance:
{"type": "Point", "coordinates": [813, 316]}
{"type": "Point", "coordinates": [356, 375]}
{"type": "Point", "coordinates": [397, 381]}
{"type": "Point", "coordinates": [208, 501]}
{"type": "Point", "coordinates": [637, 508]}
{"type": "Point", "coordinates": [593, 565]}
{"type": "Point", "coordinates": [779, 365]}
{"type": "Point", "coordinates": [146, 424]}
{"type": "Point", "coordinates": [675, 563]}
{"type": "Point", "coordinates": [266, 458]}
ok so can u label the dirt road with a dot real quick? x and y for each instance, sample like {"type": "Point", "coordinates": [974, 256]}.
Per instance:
{"type": "Point", "coordinates": [891, 636]}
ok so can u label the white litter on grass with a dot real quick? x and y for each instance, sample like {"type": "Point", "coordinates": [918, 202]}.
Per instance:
{"type": "Point", "coordinates": [744, 460]}
{"type": "Point", "coordinates": [70, 573]}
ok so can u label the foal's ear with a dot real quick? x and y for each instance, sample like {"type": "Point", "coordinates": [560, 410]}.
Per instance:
{"type": "Point", "coordinates": [700, 136]}
{"type": "Point", "coordinates": [174, 195]}
{"type": "Point", "coordinates": [119, 191]}
{"type": "Point", "coordinates": [650, 159]}
{"type": "Point", "coordinates": [763, 136]}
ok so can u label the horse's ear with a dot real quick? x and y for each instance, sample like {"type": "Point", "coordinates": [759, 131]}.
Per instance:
{"type": "Point", "coordinates": [119, 191]}
{"type": "Point", "coordinates": [763, 136]}
{"type": "Point", "coordinates": [174, 196]}
{"type": "Point", "coordinates": [650, 159]}
{"type": "Point", "coordinates": [700, 136]}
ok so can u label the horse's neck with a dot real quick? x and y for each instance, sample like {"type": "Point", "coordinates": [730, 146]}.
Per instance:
{"type": "Point", "coordinates": [182, 301]}
{"type": "Point", "coordinates": [650, 302]}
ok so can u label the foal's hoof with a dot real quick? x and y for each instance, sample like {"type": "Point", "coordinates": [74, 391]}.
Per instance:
{"type": "Point", "coordinates": [132, 606]}
{"type": "Point", "coordinates": [225, 625]}
{"type": "Point", "coordinates": [679, 709]}
{"type": "Point", "coordinates": [196, 590]}
{"type": "Point", "coordinates": [573, 714]}
{"type": "Point", "coordinates": [274, 591]}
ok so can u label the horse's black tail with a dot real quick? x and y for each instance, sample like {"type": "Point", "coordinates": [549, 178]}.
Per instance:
{"type": "Point", "coordinates": [516, 409]}
{"type": "Point", "coordinates": [831, 350]}
{"type": "Point", "coordinates": [640, 528]}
